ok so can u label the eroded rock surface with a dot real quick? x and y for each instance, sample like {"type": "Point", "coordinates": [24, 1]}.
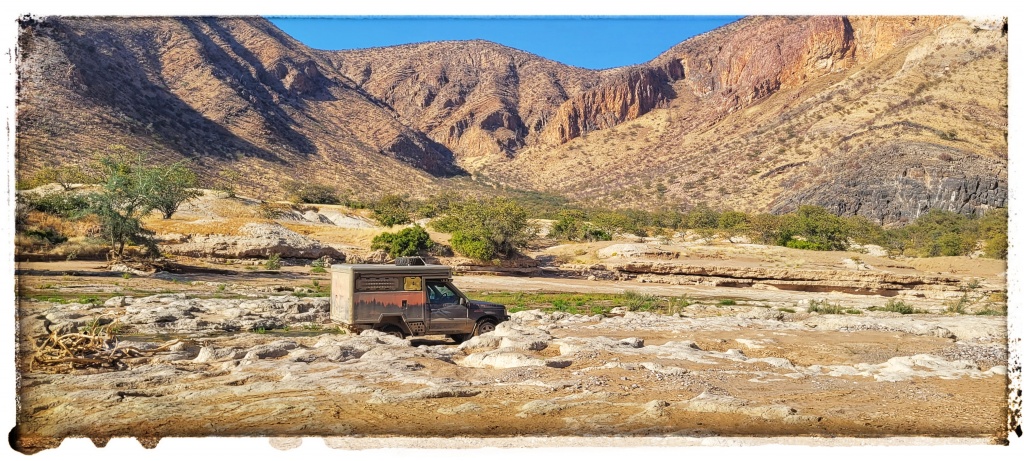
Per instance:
{"type": "Point", "coordinates": [541, 372]}
{"type": "Point", "coordinates": [255, 240]}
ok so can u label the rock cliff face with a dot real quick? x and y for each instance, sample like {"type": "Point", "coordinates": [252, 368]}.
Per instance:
{"type": "Point", "coordinates": [744, 62]}
{"type": "Point", "coordinates": [769, 113]}
{"type": "Point", "coordinates": [926, 176]}
{"type": "Point", "coordinates": [629, 95]}
{"type": "Point", "coordinates": [477, 98]}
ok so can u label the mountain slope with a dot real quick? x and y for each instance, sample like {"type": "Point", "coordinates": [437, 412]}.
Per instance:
{"type": "Point", "coordinates": [879, 116]}
{"type": "Point", "coordinates": [478, 98]}
{"type": "Point", "coordinates": [883, 117]}
{"type": "Point", "coordinates": [228, 93]}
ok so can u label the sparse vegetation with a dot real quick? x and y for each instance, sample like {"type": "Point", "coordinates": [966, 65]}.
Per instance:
{"type": "Point", "coordinates": [637, 301]}
{"type": "Point", "coordinates": [571, 225]}
{"type": "Point", "coordinates": [273, 262]}
{"type": "Point", "coordinates": [310, 192]}
{"type": "Point", "coordinates": [318, 266]}
{"type": "Point", "coordinates": [586, 303]}
{"type": "Point", "coordinates": [823, 306]}
{"type": "Point", "coordinates": [896, 305]}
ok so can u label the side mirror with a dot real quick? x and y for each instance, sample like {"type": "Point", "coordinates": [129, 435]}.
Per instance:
{"type": "Point", "coordinates": [463, 302]}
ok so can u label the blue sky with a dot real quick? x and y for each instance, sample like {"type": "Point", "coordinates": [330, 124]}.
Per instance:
{"type": "Point", "coordinates": [590, 42]}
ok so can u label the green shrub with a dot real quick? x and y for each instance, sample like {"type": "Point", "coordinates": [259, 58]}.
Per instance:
{"type": "Point", "coordinates": [474, 247]}
{"type": "Point", "coordinates": [303, 192]}
{"type": "Point", "coordinates": [273, 262]}
{"type": "Point", "coordinates": [65, 176]}
{"type": "Point", "coordinates": [805, 245]}
{"type": "Point", "coordinates": [864, 231]}
{"type": "Point", "coordinates": [438, 204]}
{"type": "Point", "coordinates": [935, 233]}
{"type": "Point", "coordinates": [726, 302]}
{"type": "Point", "coordinates": [596, 235]}
{"type": "Point", "coordinates": [65, 204]}
{"type": "Point", "coordinates": [318, 266]}
{"type": "Point", "coordinates": [676, 304]}
{"type": "Point", "coordinates": [572, 226]}
{"type": "Point", "coordinates": [487, 229]}
{"type": "Point", "coordinates": [958, 305]}
{"type": "Point", "coordinates": [391, 210]}
{"type": "Point", "coordinates": [820, 229]}
{"type": "Point", "coordinates": [49, 234]}
{"type": "Point", "coordinates": [993, 228]}
{"type": "Point", "coordinates": [406, 242]}
{"type": "Point", "coordinates": [898, 306]}
{"type": "Point", "coordinates": [733, 223]}
{"type": "Point", "coordinates": [769, 229]}
{"type": "Point", "coordinates": [825, 307]}
{"type": "Point", "coordinates": [702, 217]}
{"type": "Point", "coordinates": [637, 301]}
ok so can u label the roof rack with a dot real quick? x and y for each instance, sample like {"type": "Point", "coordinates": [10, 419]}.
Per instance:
{"type": "Point", "coordinates": [410, 261]}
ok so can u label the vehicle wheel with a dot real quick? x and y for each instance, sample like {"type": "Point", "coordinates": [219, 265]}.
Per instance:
{"type": "Point", "coordinates": [485, 326]}
{"type": "Point", "coordinates": [393, 331]}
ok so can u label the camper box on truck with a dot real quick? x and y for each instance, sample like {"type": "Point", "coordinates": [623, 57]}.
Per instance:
{"type": "Point", "coordinates": [408, 300]}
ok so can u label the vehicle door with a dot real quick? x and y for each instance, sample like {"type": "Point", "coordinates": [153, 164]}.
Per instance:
{"type": "Point", "coordinates": [448, 313]}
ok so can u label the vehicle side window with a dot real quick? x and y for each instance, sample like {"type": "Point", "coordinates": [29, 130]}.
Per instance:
{"type": "Point", "coordinates": [439, 293]}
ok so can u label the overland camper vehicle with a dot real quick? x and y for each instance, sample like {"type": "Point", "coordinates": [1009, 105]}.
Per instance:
{"type": "Point", "coordinates": [408, 300]}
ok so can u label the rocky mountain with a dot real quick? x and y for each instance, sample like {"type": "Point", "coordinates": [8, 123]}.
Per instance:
{"type": "Point", "coordinates": [879, 116]}
{"type": "Point", "coordinates": [230, 94]}
{"type": "Point", "coordinates": [883, 117]}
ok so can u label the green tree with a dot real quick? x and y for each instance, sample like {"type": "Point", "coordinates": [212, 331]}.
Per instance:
{"type": "Point", "coordinates": [769, 229]}
{"type": "Point", "coordinates": [993, 229]}
{"type": "Point", "coordinates": [820, 228]}
{"type": "Point", "coordinates": [126, 193]}
{"type": "Point", "coordinates": [64, 175]}
{"type": "Point", "coordinates": [174, 185]}
{"type": "Point", "coordinates": [391, 210]}
{"type": "Point", "coordinates": [864, 231]}
{"type": "Point", "coordinates": [571, 225]}
{"type": "Point", "coordinates": [486, 229]}
{"type": "Point", "coordinates": [406, 242]}
{"type": "Point", "coordinates": [733, 223]}
{"type": "Point", "coordinates": [437, 204]}
{"type": "Point", "coordinates": [937, 233]}
{"type": "Point", "coordinates": [703, 220]}
{"type": "Point", "coordinates": [306, 192]}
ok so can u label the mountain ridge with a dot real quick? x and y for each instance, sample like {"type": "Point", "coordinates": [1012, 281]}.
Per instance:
{"type": "Point", "coordinates": [239, 94]}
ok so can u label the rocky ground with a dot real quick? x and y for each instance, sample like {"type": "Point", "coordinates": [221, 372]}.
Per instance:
{"type": "Point", "coordinates": [237, 349]}
{"type": "Point", "coordinates": [764, 366]}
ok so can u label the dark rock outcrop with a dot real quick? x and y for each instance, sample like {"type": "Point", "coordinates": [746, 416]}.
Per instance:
{"type": "Point", "coordinates": [897, 182]}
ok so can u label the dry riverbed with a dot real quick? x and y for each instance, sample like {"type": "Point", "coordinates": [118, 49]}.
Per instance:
{"type": "Point", "coordinates": [762, 366]}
